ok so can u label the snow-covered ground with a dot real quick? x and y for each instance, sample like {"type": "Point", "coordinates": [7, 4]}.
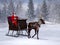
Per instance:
{"type": "Point", "coordinates": [49, 34]}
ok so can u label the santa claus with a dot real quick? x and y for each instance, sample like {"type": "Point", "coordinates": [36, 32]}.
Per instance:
{"type": "Point", "coordinates": [14, 19]}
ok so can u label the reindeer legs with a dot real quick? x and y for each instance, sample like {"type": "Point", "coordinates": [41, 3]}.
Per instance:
{"type": "Point", "coordinates": [36, 32]}
{"type": "Point", "coordinates": [29, 33]}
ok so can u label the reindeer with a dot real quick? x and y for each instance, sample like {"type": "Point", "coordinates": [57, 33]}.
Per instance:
{"type": "Point", "coordinates": [35, 26]}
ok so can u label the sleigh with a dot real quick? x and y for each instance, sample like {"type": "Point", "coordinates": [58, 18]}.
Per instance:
{"type": "Point", "coordinates": [21, 26]}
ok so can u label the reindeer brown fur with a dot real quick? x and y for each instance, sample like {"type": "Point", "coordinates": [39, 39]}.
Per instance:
{"type": "Point", "coordinates": [35, 26]}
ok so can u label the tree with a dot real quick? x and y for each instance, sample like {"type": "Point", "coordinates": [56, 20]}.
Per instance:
{"type": "Point", "coordinates": [19, 9]}
{"type": "Point", "coordinates": [44, 11]}
{"type": "Point", "coordinates": [20, 12]}
{"type": "Point", "coordinates": [0, 14]}
{"type": "Point", "coordinates": [38, 12]}
{"type": "Point", "coordinates": [4, 11]}
{"type": "Point", "coordinates": [31, 9]}
{"type": "Point", "coordinates": [11, 7]}
{"type": "Point", "coordinates": [54, 15]}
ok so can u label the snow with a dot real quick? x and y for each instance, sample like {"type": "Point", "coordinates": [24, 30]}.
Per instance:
{"type": "Point", "coordinates": [48, 35]}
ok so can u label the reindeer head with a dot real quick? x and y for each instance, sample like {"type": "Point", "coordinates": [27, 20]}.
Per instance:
{"type": "Point", "coordinates": [41, 21]}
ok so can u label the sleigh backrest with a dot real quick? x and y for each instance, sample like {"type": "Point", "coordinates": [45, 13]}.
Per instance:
{"type": "Point", "coordinates": [22, 24]}
{"type": "Point", "coordinates": [11, 25]}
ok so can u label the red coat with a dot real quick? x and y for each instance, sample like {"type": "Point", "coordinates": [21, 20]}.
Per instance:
{"type": "Point", "coordinates": [14, 20]}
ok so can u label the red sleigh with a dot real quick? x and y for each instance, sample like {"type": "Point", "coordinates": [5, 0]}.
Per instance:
{"type": "Point", "coordinates": [16, 24]}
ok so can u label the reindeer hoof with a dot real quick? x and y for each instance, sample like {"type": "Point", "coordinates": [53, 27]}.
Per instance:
{"type": "Point", "coordinates": [37, 38]}
{"type": "Point", "coordinates": [32, 36]}
{"type": "Point", "coordinates": [29, 36]}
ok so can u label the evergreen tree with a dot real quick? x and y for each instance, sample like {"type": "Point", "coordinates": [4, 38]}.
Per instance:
{"type": "Point", "coordinates": [0, 14]}
{"type": "Point", "coordinates": [30, 9]}
{"type": "Point", "coordinates": [4, 11]}
{"type": "Point", "coordinates": [20, 12]}
{"type": "Point", "coordinates": [38, 12]}
{"type": "Point", "coordinates": [11, 7]}
{"type": "Point", "coordinates": [19, 9]}
{"type": "Point", "coordinates": [44, 11]}
{"type": "Point", "coordinates": [54, 15]}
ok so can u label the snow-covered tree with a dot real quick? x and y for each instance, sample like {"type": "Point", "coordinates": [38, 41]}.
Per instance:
{"type": "Point", "coordinates": [4, 11]}
{"type": "Point", "coordinates": [20, 12]}
{"type": "Point", "coordinates": [44, 11]}
{"type": "Point", "coordinates": [19, 9]}
{"type": "Point", "coordinates": [11, 7]}
{"type": "Point", "coordinates": [38, 12]}
{"type": "Point", "coordinates": [54, 14]}
{"type": "Point", "coordinates": [0, 14]}
{"type": "Point", "coordinates": [31, 9]}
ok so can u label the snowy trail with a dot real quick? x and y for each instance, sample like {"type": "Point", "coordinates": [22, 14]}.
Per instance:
{"type": "Point", "coordinates": [48, 34]}
{"type": "Point", "coordinates": [29, 42]}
